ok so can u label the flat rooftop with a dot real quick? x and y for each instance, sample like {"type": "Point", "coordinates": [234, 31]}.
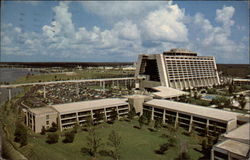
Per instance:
{"type": "Point", "coordinates": [86, 105]}
{"type": "Point", "coordinates": [167, 92]}
{"type": "Point", "coordinates": [241, 133]}
{"type": "Point", "coordinates": [239, 79]}
{"type": "Point", "coordinates": [200, 111]}
{"type": "Point", "coordinates": [42, 110]}
{"type": "Point", "coordinates": [235, 147]}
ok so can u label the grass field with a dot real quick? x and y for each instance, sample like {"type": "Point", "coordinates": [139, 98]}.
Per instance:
{"type": "Point", "coordinates": [137, 144]}
{"type": "Point", "coordinates": [83, 74]}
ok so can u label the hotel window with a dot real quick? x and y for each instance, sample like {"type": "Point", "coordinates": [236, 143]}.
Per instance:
{"type": "Point", "coordinates": [47, 122]}
{"type": "Point", "coordinates": [47, 116]}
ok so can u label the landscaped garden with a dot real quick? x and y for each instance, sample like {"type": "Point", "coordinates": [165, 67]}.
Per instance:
{"type": "Point", "coordinates": [136, 141]}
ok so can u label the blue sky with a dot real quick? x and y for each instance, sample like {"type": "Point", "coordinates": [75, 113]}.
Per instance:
{"type": "Point", "coordinates": [113, 31]}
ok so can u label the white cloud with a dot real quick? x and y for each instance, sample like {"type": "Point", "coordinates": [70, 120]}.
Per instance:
{"type": "Point", "coordinates": [166, 24]}
{"type": "Point", "coordinates": [225, 15]}
{"type": "Point", "coordinates": [127, 30]}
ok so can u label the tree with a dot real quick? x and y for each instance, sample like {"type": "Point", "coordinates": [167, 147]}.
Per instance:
{"type": "Point", "coordinates": [115, 142]}
{"type": "Point", "coordinates": [158, 122]}
{"type": "Point", "coordinates": [93, 143]}
{"type": "Point", "coordinates": [142, 120]}
{"type": "Point", "coordinates": [75, 128]}
{"type": "Point", "coordinates": [131, 113]}
{"type": "Point", "coordinates": [21, 134]}
{"type": "Point", "coordinates": [147, 116]}
{"type": "Point", "coordinates": [52, 138]}
{"type": "Point", "coordinates": [98, 116]}
{"type": "Point", "coordinates": [242, 101]}
{"type": "Point", "coordinates": [69, 137]}
{"type": "Point", "coordinates": [231, 88]}
{"type": "Point", "coordinates": [172, 141]}
{"type": "Point", "coordinates": [113, 115]}
{"type": "Point", "coordinates": [183, 156]}
{"type": "Point", "coordinates": [163, 148]}
{"type": "Point", "coordinates": [43, 131]}
{"type": "Point", "coordinates": [53, 128]}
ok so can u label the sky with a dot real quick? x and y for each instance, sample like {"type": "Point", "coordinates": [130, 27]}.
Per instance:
{"type": "Point", "coordinates": [118, 31]}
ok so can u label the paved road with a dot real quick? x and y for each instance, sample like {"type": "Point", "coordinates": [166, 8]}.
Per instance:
{"type": "Point", "coordinates": [69, 81]}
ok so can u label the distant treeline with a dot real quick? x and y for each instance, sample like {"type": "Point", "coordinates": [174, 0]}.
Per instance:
{"type": "Point", "coordinates": [64, 64]}
{"type": "Point", "coordinates": [235, 70]}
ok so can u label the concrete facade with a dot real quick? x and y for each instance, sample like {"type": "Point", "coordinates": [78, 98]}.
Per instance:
{"type": "Point", "coordinates": [233, 145]}
{"type": "Point", "coordinates": [192, 117]}
{"type": "Point", "coordinates": [69, 114]}
{"type": "Point", "coordinates": [79, 112]}
{"type": "Point", "coordinates": [36, 118]}
{"type": "Point", "coordinates": [179, 69]}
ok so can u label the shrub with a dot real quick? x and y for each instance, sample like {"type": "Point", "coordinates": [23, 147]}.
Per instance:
{"type": "Point", "coordinates": [43, 131]}
{"type": "Point", "coordinates": [69, 137]}
{"type": "Point", "coordinates": [53, 128]}
{"type": "Point", "coordinates": [163, 148]}
{"type": "Point", "coordinates": [21, 135]}
{"type": "Point", "coordinates": [52, 138]}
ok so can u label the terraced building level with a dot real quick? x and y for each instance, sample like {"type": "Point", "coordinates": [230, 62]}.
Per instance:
{"type": "Point", "coordinates": [177, 68]}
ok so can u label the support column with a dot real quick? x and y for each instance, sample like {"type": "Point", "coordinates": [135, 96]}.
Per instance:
{"type": "Point", "coordinates": [190, 124]}
{"type": "Point", "coordinates": [92, 115]}
{"type": "Point", "coordinates": [105, 114]}
{"type": "Point", "coordinates": [77, 118]}
{"type": "Point", "coordinates": [176, 120]}
{"type": "Point", "coordinates": [164, 116]}
{"type": "Point", "coordinates": [27, 118]}
{"type": "Point", "coordinates": [103, 85]}
{"type": "Point", "coordinates": [44, 91]}
{"type": "Point", "coordinates": [117, 112]}
{"type": "Point", "coordinates": [152, 114]}
{"type": "Point", "coordinates": [207, 126]}
{"type": "Point", "coordinates": [212, 154]}
{"type": "Point", "coordinates": [126, 84]}
{"type": "Point", "coordinates": [100, 83]}
{"type": "Point", "coordinates": [77, 89]}
{"type": "Point", "coordinates": [113, 84]}
{"type": "Point", "coordinates": [9, 94]}
{"type": "Point", "coordinates": [59, 122]}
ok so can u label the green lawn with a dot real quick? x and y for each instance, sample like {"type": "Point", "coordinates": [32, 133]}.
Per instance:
{"type": "Point", "coordinates": [137, 144]}
{"type": "Point", "coordinates": [84, 74]}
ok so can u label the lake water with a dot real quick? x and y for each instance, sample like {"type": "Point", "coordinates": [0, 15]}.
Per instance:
{"type": "Point", "coordinates": [10, 75]}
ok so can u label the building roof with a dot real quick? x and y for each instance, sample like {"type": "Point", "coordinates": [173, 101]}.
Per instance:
{"type": "Point", "coordinates": [42, 110]}
{"type": "Point", "coordinates": [85, 105]}
{"type": "Point", "coordinates": [241, 133]}
{"type": "Point", "coordinates": [239, 79]}
{"type": "Point", "coordinates": [167, 92]}
{"type": "Point", "coordinates": [200, 111]}
{"type": "Point", "coordinates": [235, 147]}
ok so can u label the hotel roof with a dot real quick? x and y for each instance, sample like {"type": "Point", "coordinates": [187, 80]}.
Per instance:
{"type": "Point", "coordinates": [167, 92]}
{"type": "Point", "coordinates": [42, 110]}
{"type": "Point", "coordinates": [85, 105]}
{"type": "Point", "coordinates": [239, 79]}
{"type": "Point", "coordinates": [193, 109]}
{"type": "Point", "coordinates": [235, 147]}
{"type": "Point", "coordinates": [241, 133]}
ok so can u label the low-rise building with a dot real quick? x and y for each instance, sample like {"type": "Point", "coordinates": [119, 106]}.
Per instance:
{"type": "Point", "coordinates": [36, 118]}
{"type": "Point", "coordinates": [202, 119]}
{"type": "Point", "coordinates": [68, 114]}
{"type": "Point", "coordinates": [234, 145]}
{"type": "Point", "coordinates": [241, 82]}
